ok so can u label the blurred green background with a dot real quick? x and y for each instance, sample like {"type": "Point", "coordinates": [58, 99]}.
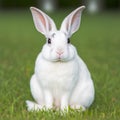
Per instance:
{"type": "Point", "coordinates": [106, 4]}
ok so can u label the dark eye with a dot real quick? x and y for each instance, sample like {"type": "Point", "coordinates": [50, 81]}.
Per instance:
{"type": "Point", "coordinates": [68, 41]}
{"type": "Point", "coordinates": [49, 41]}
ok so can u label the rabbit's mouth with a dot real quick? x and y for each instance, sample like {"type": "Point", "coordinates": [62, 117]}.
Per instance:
{"type": "Point", "coordinates": [60, 59]}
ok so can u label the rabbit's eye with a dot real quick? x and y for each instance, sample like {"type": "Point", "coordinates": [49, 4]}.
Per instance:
{"type": "Point", "coordinates": [49, 41]}
{"type": "Point", "coordinates": [68, 41]}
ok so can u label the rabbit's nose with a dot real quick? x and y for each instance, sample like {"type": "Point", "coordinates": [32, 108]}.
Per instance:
{"type": "Point", "coordinates": [59, 52]}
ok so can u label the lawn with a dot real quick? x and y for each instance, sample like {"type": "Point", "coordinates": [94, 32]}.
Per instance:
{"type": "Point", "coordinates": [97, 42]}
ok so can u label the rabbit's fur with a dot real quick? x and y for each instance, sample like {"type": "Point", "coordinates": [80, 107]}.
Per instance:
{"type": "Point", "coordinates": [61, 78]}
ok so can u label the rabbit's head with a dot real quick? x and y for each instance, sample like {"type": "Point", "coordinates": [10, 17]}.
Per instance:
{"type": "Point", "coordinates": [58, 46]}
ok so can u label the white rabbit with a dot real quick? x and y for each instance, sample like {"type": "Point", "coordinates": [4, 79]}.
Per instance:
{"type": "Point", "coordinates": [61, 78]}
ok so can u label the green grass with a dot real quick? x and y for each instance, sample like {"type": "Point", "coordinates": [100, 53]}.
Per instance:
{"type": "Point", "coordinates": [97, 42]}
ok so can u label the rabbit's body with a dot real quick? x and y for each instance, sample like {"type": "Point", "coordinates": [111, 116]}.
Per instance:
{"type": "Point", "coordinates": [60, 75]}
{"type": "Point", "coordinates": [61, 78]}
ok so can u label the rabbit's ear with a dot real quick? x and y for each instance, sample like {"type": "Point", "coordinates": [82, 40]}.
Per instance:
{"type": "Point", "coordinates": [43, 22]}
{"type": "Point", "coordinates": [72, 22]}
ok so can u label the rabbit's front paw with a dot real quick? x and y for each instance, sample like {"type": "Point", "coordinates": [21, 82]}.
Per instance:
{"type": "Point", "coordinates": [31, 106]}
{"type": "Point", "coordinates": [78, 107]}
{"type": "Point", "coordinates": [64, 103]}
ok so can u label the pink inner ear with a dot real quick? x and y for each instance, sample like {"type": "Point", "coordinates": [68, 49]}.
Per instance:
{"type": "Point", "coordinates": [41, 17]}
{"type": "Point", "coordinates": [49, 27]}
{"type": "Point", "coordinates": [75, 17]}
{"type": "Point", "coordinates": [75, 22]}
{"type": "Point", "coordinates": [67, 26]}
